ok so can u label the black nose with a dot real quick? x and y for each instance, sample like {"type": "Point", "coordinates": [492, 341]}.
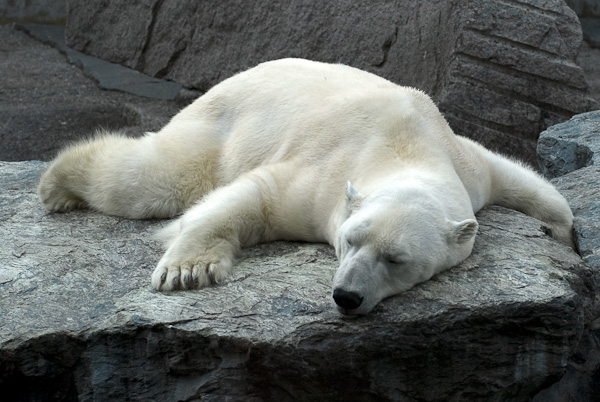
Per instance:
{"type": "Point", "coordinates": [347, 300]}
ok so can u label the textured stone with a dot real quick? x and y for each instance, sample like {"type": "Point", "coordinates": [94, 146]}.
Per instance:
{"type": "Point", "coordinates": [502, 71]}
{"type": "Point", "coordinates": [581, 382]}
{"type": "Point", "coordinates": [46, 103]}
{"type": "Point", "coordinates": [107, 75]}
{"type": "Point", "coordinates": [570, 152]}
{"type": "Point", "coordinates": [39, 11]}
{"type": "Point", "coordinates": [582, 188]}
{"type": "Point", "coordinates": [569, 146]}
{"type": "Point", "coordinates": [585, 8]}
{"type": "Point", "coordinates": [80, 321]}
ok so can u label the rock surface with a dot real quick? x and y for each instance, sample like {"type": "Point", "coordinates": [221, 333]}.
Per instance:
{"type": "Point", "coordinates": [502, 71]}
{"type": "Point", "coordinates": [107, 75]}
{"type": "Point", "coordinates": [80, 321]}
{"type": "Point", "coordinates": [570, 152]}
{"type": "Point", "coordinates": [39, 11]}
{"type": "Point", "coordinates": [45, 102]}
{"type": "Point", "coordinates": [585, 8]}
{"type": "Point", "coordinates": [569, 146]}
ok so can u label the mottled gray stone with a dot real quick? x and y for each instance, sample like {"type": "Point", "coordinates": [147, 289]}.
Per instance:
{"type": "Point", "coordinates": [46, 103]}
{"type": "Point", "coordinates": [39, 11]}
{"type": "Point", "coordinates": [582, 189]}
{"type": "Point", "coordinates": [501, 71]}
{"type": "Point", "coordinates": [581, 381]}
{"type": "Point", "coordinates": [107, 75]}
{"type": "Point", "coordinates": [569, 146]}
{"type": "Point", "coordinates": [79, 320]}
{"type": "Point", "coordinates": [585, 8]}
{"type": "Point", "coordinates": [571, 151]}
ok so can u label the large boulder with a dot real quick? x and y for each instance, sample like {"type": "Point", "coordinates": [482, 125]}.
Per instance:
{"type": "Point", "coordinates": [79, 320]}
{"type": "Point", "coordinates": [501, 72]}
{"type": "Point", "coordinates": [570, 154]}
{"type": "Point", "coordinates": [573, 145]}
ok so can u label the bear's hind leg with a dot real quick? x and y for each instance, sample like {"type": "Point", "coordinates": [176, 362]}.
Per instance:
{"type": "Point", "coordinates": [64, 184]}
{"type": "Point", "coordinates": [59, 198]}
{"type": "Point", "coordinates": [113, 174]}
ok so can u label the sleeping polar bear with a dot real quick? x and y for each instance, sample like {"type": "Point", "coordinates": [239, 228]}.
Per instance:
{"type": "Point", "coordinates": [266, 155]}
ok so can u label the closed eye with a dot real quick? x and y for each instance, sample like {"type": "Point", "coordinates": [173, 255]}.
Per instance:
{"type": "Point", "coordinates": [395, 260]}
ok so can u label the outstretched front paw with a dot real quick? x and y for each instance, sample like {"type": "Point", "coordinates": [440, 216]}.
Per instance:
{"type": "Point", "coordinates": [190, 273]}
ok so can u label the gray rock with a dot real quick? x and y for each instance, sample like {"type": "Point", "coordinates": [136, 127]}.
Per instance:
{"type": "Point", "coordinates": [502, 72]}
{"type": "Point", "coordinates": [585, 8]}
{"type": "Point", "coordinates": [589, 60]}
{"type": "Point", "coordinates": [591, 30]}
{"type": "Point", "coordinates": [571, 151]}
{"type": "Point", "coordinates": [569, 146]}
{"type": "Point", "coordinates": [81, 322]}
{"type": "Point", "coordinates": [107, 75]}
{"type": "Point", "coordinates": [46, 103]}
{"type": "Point", "coordinates": [39, 11]}
{"type": "Point", "coordinates": [581, 381]}
{"type": "Point", "coordinates": [582, 189]}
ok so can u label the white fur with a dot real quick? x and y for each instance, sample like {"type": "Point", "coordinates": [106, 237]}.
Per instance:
{"type": "Point", "coordinates": [266, 155]}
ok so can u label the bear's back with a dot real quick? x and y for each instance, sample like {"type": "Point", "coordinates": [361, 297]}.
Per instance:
{"type": "Point", "coordinates": [312, 112]}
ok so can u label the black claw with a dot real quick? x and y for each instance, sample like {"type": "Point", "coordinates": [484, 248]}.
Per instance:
{"type": "Point", "coordinates": [211, 277]}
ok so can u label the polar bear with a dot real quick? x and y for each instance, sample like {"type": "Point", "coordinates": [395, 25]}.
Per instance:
{"type": "Point", "coordinates": [301, 150]}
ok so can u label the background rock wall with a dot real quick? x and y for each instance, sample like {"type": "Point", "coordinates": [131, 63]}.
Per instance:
{"type": "Point", "coordinates": [585, 8]}
{"type": "Point", "coordinates": [501, 71]}
{"type": "Point", "coordinates": [38, 11]}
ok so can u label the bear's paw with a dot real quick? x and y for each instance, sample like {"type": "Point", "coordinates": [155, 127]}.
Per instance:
{"type": "Point", "coordinates": [190, 273]}
{"type": "Point", "coordinates": [57, 197]}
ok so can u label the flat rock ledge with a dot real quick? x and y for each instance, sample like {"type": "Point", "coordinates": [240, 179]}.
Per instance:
{"type": "Point", "coordinates": [80, 322]}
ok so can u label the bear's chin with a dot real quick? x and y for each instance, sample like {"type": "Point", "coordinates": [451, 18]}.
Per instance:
{"type": "Point", "coordinates": [349, 314]}
{"type": "Point", "coordinates": [352, 313]}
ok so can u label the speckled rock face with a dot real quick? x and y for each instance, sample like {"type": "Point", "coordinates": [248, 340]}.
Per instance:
{"type": "Point", "coordinates": [569, 146]}
{"type": "Point", "coordinates": [570, 153]}
{"type": "Point", "coordinates": [80, 320]}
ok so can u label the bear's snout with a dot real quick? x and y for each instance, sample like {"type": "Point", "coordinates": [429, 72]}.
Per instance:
{"type": "Point", "coordinates": [347, 300]}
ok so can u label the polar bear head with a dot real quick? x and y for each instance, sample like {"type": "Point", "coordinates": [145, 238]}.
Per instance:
{"type": "Point", "coordinates": [391, 241]}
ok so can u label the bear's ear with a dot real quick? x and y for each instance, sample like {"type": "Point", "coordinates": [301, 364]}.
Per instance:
{"type": "Point", "coordinates": [353, 198]}
{"type": "Point", "coordinates": [462, 232]}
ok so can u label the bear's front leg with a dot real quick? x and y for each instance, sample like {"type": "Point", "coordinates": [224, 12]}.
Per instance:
{"type": "Point", "coordinates": [194, 261]}
{"type": "Point", "coordinates": [203, 243]}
